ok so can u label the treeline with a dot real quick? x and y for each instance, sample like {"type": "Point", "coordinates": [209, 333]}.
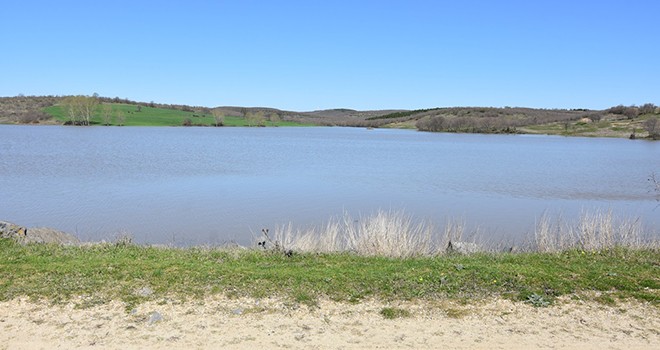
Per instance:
{"type": "Point", "coordinates": [495, 120]}
{"type": "Point", "coordinates": [633, 111]}
{"type": "Point", "coordinates": [152, 104]}
{"type": "Point", "coordinates": [508, 120]}
{"type": "Point", "coordinates": [402, 114]}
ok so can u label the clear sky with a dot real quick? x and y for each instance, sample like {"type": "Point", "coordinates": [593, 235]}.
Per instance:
{"type": "Point", "coordinates": [308, 55]}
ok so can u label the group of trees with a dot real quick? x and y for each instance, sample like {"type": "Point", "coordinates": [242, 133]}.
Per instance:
{"type": "Point", "coordinates": [467, 124]}
{"type": "Point", "coordinates": [79, 109]}
{"type": "Point", "coordinates": [631, 112]}
{"type": "Point", "coordinates": [259, 117]}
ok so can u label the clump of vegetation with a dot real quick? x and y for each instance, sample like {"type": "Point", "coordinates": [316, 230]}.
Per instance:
{"type": "Point", "coordinates": [652, 126]}
{"type": "Point", "coordinates": [391, 234]}
{"type": "Point", "coordinates": [537, 300]}
{"type": "Point", "coordinates": [391, 313]}
{"type": "Point", "coordinates": [594, 231]}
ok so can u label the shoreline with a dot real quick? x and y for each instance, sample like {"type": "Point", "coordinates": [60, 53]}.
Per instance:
{"type": "Point", "coordinates": [246, 323]}
{"type": "Point", "coordinates": [521, 132]}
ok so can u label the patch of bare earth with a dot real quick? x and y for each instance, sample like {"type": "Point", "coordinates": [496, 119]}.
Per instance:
{"type": "Point", "coordinates": [270, 323]}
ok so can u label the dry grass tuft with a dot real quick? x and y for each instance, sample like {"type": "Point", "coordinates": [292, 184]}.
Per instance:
{"type": "Point", "coordinates": [595, 230]}
{"type": "Point", "coordinates": [396, 234]}
{"type": "Point", "coordinates": [385, 233]}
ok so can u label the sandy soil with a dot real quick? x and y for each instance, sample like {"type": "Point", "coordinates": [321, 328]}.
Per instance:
{"type": "Point", "coordinates": [253, 324]}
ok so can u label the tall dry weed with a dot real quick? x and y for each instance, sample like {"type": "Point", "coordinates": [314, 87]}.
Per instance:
{"type": "Point", "coordinates": [594, 230]}
{"type": "Point", "coordinates": [385, 233]}
{"type": "Point", "coordinates": [396, 234]}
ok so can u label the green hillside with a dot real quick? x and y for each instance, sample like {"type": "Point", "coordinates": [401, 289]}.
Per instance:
{"type": "Point", "coordinates": [137, 115]}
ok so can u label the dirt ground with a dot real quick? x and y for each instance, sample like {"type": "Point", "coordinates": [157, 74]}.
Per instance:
{"type": "Point", "coordinates": [275, 324]}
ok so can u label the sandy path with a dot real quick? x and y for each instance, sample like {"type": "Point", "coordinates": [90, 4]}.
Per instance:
{"type": "Point", "coordinates": [253, 324]}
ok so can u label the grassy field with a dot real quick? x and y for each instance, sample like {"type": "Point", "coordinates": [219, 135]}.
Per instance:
{"type": "Point", "coordinates": [151, 116]}
{"type": "Point", "coordinates": [104, 272]}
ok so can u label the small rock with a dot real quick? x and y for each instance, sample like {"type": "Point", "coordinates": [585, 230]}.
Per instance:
{"type": "Point", "coordinates": [25, 235]}
{"type": "Point", "coordinates": [49, 235]}
{"type": "Point", "coordinates": [145, 292]}
{"type": "Point", "coordinates": [155, 317]}
{"type": "Point", "coordinates": [463, 248]}
{"type": "Point", "coordinates": [238, 311]}
{"type": "Point", "coordinates": [9, 230]}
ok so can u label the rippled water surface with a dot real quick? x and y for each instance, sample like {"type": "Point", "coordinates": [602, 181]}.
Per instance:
{"type": "Point", "coordinates": [213, 185]}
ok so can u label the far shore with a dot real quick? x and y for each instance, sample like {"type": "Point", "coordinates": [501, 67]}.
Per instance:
{"type": "Point", "coordinates": [635, 122]}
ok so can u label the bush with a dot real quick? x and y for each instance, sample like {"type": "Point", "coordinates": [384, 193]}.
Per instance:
{"type": "Point", "coordinates": [630, 112]}
{"type": "Point", "coordinates": [652, 126]}
{"type": "Point", "coordinates": [647, 108]}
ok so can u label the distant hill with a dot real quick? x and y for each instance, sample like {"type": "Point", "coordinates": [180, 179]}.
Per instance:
{"type": "Point", "coordinates": [618, 121]}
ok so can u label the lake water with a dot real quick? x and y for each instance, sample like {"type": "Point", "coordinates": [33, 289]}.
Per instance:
{"type": "Point", "coordinates": [188, 186]}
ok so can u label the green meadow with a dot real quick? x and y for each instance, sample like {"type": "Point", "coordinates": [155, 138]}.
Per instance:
{"type": "Point", "coordinates": [133, 115]}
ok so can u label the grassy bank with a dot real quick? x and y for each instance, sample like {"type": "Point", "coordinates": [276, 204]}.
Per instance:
{"type": "Point", "coordinates": [132, 273]}
{"type": "Point", "coordinates": [138, 115]}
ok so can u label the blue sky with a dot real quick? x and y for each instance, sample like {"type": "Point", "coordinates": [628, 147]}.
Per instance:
{"type": "Point", "coordinates": [308, 55]}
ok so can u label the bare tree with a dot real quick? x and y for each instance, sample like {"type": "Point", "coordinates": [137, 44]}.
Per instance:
{"type": "Point", "coordinates": [647, 108]}
{"type": "Point", "coordinates": [120, 117]}
{"type": "Point", "coordinates": [106, 114]}
{"type": "Point", "coordinates": [71, 106]}
{"type": "Point", "coordinates": [255, 119]}
{"type": "Point", "coordinates": [274, 117]}
{"type": "Point", "coordinates": [88, 106]}
{"type": "Point", "coordinates": [219, 117]}
{"type": "Point", "coordinates": [652, 126]}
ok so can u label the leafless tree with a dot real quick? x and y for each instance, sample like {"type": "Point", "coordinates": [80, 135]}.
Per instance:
{"type": "Point", "coordinates": [647, 108]}
{"type": "Point", "coordinates": [652, 126]}
{"type": "Point", "coordinates": [88, 105]}
{"type": "Point", "coordinates": [274, 117]}
{"type": "Point", "coordinates": [219, 117]}
{"type": "Point", "coordinates": [255, 119]}
{"type": "Point", "coordinates": [106, 114]}
{"type": "Point", "coordinates": [120, 117]}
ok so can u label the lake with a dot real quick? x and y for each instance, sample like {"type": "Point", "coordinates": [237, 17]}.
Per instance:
{"type": "Point", "coordinates": [189, 186]}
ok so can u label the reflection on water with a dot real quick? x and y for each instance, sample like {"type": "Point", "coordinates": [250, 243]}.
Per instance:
{"type": "Point", "coordinates": [213, 185]}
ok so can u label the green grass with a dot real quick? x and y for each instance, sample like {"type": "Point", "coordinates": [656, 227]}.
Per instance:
{"type": "Point", "coordinates": [115, 272]}
{"type": "Point", "coordinates": [149, 116]}
{"type": "Point", "coordinates": [391, 313]}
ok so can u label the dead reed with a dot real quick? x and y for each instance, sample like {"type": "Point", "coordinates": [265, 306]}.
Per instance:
{"type": "Point", "coordinates": [397, 234]}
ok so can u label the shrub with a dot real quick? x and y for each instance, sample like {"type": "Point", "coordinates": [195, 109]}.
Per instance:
{"type": "Point", "coordinates": [647, 108]}
{"type": "Point", "coordinates": [652, 126]}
